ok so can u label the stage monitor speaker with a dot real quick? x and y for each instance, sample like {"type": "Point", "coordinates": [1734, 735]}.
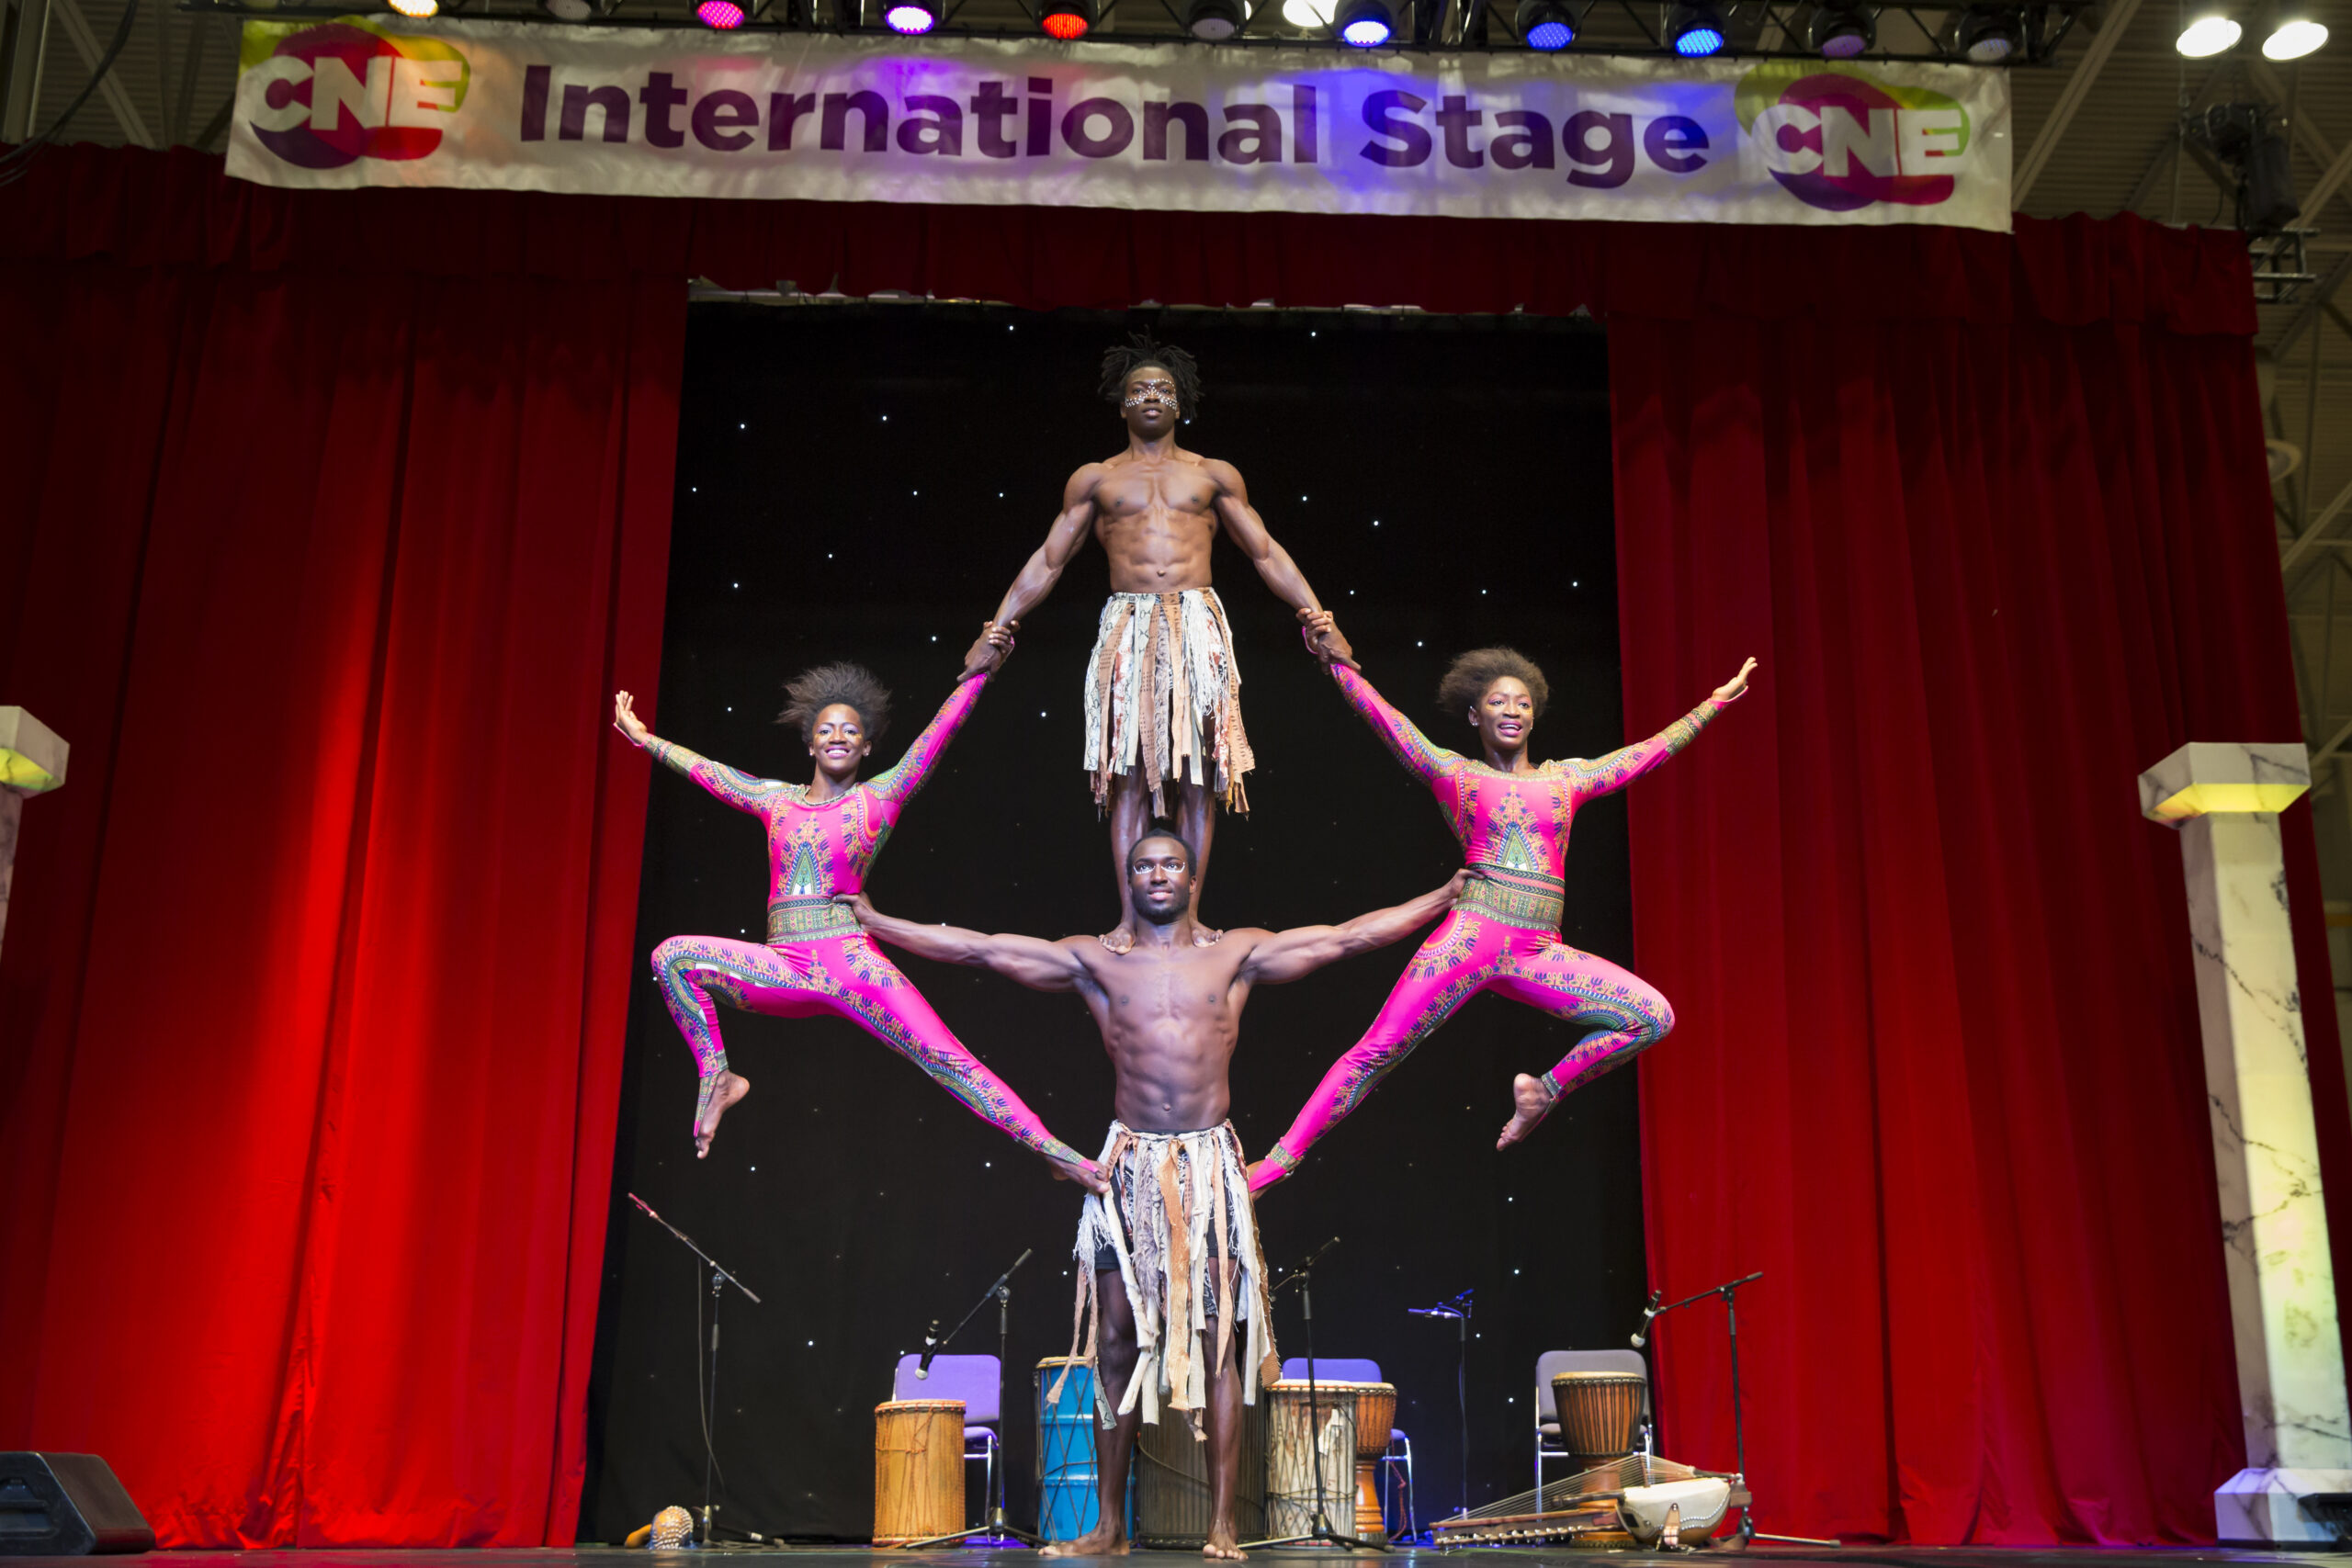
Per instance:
{"type": "Point", "coordinates": [66, 1506]}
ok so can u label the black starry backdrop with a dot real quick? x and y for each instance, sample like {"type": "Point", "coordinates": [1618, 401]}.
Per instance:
{"type": "Point", "coordinates": [862, 482]}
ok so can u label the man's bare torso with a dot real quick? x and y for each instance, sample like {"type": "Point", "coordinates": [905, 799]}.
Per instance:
{"type": "Point", "coordinates": [1157, 518]}
{"type": "Point", "coordinates": [1170, 1016]}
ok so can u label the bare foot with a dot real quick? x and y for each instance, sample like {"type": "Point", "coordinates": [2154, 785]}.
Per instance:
{"type": "Point", "coordinates": [1102, 1540]}
{"type": "Point", "coordinates": [720, 1090]}
{"type": "Point", "coordinates": [1221, 1547]}
{"type": "Point", "coordinates": [1085, 1172]}
{"type": "Point", "coordinates": [1533, 1100]}
{"type": "Point", "coordinates": [1119, 940]}
{"type": "Point", "coordinates": [1264, 1173]}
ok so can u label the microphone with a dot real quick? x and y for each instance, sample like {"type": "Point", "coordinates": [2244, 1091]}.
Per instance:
{"type": "Point", "coordinates": [930, 1348]}
{"type": "Point", "coordinates": [1642, 1334]}
{"type": "Point", "coordinates": [644, 1205]}
{"type": "Point", "coordinates": [1315, 1255]}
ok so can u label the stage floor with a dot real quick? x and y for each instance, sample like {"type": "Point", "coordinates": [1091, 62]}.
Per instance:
{"type": "Point", "coordinates": [861, 1557]}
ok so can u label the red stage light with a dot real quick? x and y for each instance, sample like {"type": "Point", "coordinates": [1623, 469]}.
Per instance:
{"type": "Point", "coordinates": [720, 14]}
{"type": "Point", "coordinates": [1066, 22]}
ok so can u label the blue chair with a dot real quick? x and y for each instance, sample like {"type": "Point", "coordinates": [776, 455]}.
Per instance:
{"type": "Point", "coordinates": [972, 1379]}
{"type": "Point", "coordinates": [1400, 1447]}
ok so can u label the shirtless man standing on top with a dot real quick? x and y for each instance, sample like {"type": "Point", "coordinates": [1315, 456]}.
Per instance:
{"type": "Point", "coordinates": [1166, 1316]}
{"type": "Point", "coordinates": [1163, 693]}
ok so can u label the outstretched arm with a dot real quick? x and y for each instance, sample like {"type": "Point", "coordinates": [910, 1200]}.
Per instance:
{"type": "Point", "coordinates": [1247, 529]}
{"type": "Point", "coordinates": [1044, 569]}
{"type": "Point", "coordinates": [1604, 775]}
{"type": "Point", "coordinates": [898, 783]}
{"type": "Point", "coordinates": [737, 788]}
{"type": "Point", "coordinates": [1422, 757]}
{"type": "Point", "coordinates": [1287, 955]}
{"type": "Point", "coordinates": [1037, 963]}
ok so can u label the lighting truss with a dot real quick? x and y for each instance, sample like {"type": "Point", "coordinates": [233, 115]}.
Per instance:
{"type": "Point", "coordinates": [1758, 30]}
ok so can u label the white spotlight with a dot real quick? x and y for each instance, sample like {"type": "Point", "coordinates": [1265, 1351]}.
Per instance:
{"type": "Point", "coordinates": [2209, 33]}
{"type": "Point", "coordinates": [1311, 14]}
{"type": "Point", "coordinates": [2293, 38]}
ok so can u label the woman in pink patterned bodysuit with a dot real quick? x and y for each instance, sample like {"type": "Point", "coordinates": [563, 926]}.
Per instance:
{"type": "Point", "coordinates": [823, 838]}
{"type": "Point", "coordinates": [1511, 815]}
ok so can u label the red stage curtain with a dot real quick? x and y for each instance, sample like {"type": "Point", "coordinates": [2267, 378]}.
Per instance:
{"type": "Point", "coordinates": [1938, 1071]}
{"type": "Point", "coordinates": [345, 510]}
{"type": "Point", "coordinates": [314, 985]}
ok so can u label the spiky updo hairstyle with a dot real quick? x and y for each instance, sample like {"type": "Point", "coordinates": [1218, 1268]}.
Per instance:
{"type": "Point", "coordinates": [1122, 360]}
{"type": "Point", "coordinates": [812, 692]}
{"type": "Point", "coordinates": [1472, 674]}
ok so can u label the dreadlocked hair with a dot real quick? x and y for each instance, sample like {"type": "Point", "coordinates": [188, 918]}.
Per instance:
{"type": "Point", "coordinates": [1473, 674]}
{"type": "Point", "coordinates": [812, 692]}
{"type": "Point", "coordinates": [1122, 360]}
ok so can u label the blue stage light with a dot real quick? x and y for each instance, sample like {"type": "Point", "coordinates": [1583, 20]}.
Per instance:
{"type": "Point", "coordinates": [1696, 30]}
{"type": "Point", "coordinates": [1547, 25]}
{"type": "Point", "coordinates": [1365, 24]}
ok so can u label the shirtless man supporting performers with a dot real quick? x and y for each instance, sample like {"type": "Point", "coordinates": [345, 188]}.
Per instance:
{"type": "Point", "coordinates": [1160, 1265]}
{"type": "Point", "coordinates": [1162, 695]}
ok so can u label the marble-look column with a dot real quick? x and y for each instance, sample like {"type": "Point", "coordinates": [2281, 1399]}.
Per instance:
{"type": "Point", "coordinates": [32, 760]}
{"type": "Point", "coordinates": [2225, 800]}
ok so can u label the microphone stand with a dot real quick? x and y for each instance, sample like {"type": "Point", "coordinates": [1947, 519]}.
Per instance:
{"type": "Point", "coordinates": [719, 1279]}
{"type": "Point", "coordinates": [1459, 1309]}
{"type": "Point", "coordinates": [997, 1524]}
{"type": "Point", "coordinates": [1318, 1529]}
{"type": "Point", "coordinates": [1729, 1291]}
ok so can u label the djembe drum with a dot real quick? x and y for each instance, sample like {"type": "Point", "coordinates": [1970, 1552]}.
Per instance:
{"type": "Point", "coordinates": [1171, 1481]}
{"type": "Point", "coordinates": [1297, 1440]}
{"type": "Point", "coordinates": [1599, 1414]}
{"type": "Point", "coordinates": [1375, 1418]}
{"type": "Point", "coordinates": [918, 1469]}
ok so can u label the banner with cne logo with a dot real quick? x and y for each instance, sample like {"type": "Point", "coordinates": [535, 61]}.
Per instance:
{"type": "Point", "coordinates": [512, 106]}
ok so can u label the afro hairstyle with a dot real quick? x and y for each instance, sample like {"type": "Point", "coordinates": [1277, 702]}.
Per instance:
{"type": "Point", "coordinates": [812, 692]}
{"type": "Point", "coordinates": [1472, 674]}
{"type": "Point", "coordinates": [1121, 361]}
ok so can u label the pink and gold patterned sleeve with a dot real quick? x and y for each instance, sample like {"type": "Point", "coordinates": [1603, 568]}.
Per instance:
{"type": "Point", "coordinates": [737, 788]}
{"type": "Point", "coordinates": [898, 785]}
{"type": "Point", "coordinates": [1605, 775]}
{"type": "Point", "coordinates": [1425, 759]}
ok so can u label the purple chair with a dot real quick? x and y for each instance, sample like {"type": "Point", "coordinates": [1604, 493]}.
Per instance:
{"type": "Point", "coordinates": [1400, 1447]}
{"type": "Point", "coordinates": [973, 1379]}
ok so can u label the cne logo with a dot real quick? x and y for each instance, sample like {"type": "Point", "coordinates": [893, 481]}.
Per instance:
{"type": "Point", "coordinates": [327, 95]}
{"type": "Point", "coordinates": [1838, 139]}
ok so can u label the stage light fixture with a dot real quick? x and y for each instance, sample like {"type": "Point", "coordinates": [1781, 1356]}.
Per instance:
{"type": "Point", "coordinates": [1214, 21]}
{"type": "Point", "coordinates": [1066, 19]}
{"type": "Point", "coordinates": [1547, 25]}
{"type": "Point", "coordinates": [2209, 33]}
{"type": "Point", "coordinates": [1990, 34]}
{"type": "Point", "coordinates": [417, 9]}
{"type": "Point", "coordinates": [2294, 32]}
{"type": "Point", "coordinates": [1365, 24]}
{"type": "Point", "coordinates": [1840, 29]}
{"type": "Point", "coordinates": [1312, 15]}
{"type": "Point", "coordinates": [911, 17]}
{"type": "Point", "coordinates": [568, 10]}
{"type": "Point", "coordinates": [1695, 30]}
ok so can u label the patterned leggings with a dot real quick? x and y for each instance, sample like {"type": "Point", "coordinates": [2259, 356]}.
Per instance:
{"type": "Point", "coordinates": [846, 977]}
{"type": "Point", "coordinates": [1465, 955]}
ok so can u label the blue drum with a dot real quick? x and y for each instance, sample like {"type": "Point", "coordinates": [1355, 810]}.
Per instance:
{"type": "Point", "coordinates": [1067, 1482]}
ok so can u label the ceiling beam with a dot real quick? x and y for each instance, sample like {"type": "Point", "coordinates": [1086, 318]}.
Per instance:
{"type": "Point", "coordinates": [85, 44]}
{"type": "Point", "coordinates": [2078, 86]}
{"type": "Point", "coordinates": [2311, 535]}
{"type": "Point", "coordinates": [2322, 292]}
